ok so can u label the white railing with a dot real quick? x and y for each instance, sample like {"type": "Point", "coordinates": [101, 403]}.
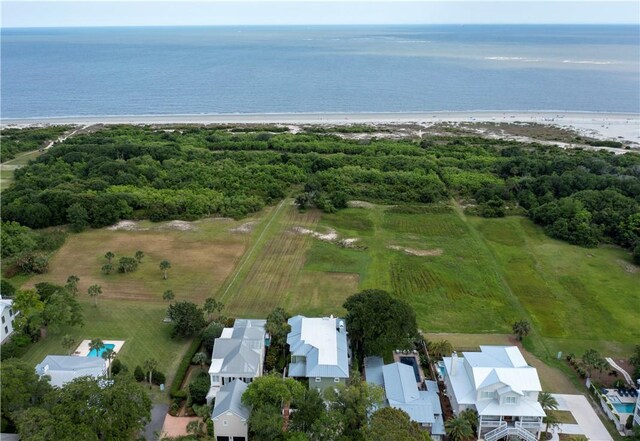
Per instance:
{"type": "Point", "coordinates": [504, 430]}
{"type": "Point", "coordinates": [490, 423]}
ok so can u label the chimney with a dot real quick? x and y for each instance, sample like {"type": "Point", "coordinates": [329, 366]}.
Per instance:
{"type": "Point", "coordinates": [454, 362]}
{"type": "Point", "coordinates": [341, 326]}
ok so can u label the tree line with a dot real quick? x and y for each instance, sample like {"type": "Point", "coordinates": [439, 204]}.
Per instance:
{"type": "Point", "coordinates": [122, 172]}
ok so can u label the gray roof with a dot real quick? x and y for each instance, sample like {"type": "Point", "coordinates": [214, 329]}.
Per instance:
{"type": "Point", "coordinates": [229, 399]}
{"type": "Point", "coordinates": [373, 370]}
{"type": "Point", "coordinates": [83, 365]}
{"type": "Point", "coordinates": [240, 355]}
{"type": "Point", "coordinates": [401, 390]}
{"type": "Point", "coordinates": [323, 343]}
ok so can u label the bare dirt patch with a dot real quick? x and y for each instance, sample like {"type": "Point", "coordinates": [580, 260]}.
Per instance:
{"type": "Point", "coordinates": [329, 236]}
{"type": "Point", "coordinates": [360, 204]}
{"type": "Point", "coordinates": [415, 252]}
{"type": "Point", "coordinates": [628, 266]}
{"type": "Point", "coordinates": [247, 227]}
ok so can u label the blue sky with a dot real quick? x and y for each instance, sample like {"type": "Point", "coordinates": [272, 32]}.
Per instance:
{"type": "Point", "coordinates": [27, 13]}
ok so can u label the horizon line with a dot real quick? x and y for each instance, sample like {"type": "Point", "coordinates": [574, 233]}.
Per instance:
{"type": "Point", "coordinates": [317, 25]}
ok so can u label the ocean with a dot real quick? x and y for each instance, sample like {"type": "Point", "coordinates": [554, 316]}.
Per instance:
{"type": "Point", "coordinates": [206, 70]}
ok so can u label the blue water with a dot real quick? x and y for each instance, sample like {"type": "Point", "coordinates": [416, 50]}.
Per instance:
{"type": "Point", "coordinates": [93, 353]}
{"type": "Point", "coordinates": [624, 407]}
{"type": "Point", "coordinates": [134, 71]}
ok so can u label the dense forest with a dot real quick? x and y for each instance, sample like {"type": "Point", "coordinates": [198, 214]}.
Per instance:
{"type": "Point", "coordinates": [583, 197]}
{"type": "Point", "coordinates": [14, 141]}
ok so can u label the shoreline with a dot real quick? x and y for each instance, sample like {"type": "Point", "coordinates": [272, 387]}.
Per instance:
{"type": "Point", "coordinates": [601, 125]}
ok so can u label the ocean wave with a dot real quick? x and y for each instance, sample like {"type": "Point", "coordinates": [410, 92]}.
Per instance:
{"type": "Point", "coordinates": [586, 62]}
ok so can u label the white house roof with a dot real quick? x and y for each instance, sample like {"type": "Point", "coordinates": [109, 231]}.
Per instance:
{"type": "Point", "coordinates": [499, 368]}
{"type": "Point", "coordinates": [229, 399]}
{"type": "Point", "coordinates": [238, 351]}
{"type": "Point", "coordinates": [323, 343]}
{"type": "Point", "coordinates": [81, 365]}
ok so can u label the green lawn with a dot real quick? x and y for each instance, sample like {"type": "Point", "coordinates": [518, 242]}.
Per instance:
{"type": "Point", "coordinates": [490, 273]}
{"type": "Point", "coordinates": [139, 324]}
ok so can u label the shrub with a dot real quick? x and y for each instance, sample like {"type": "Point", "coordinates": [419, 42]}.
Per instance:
{"type": "Point", "coordinates": [199, 387]}
{"type": "Point", "coordinates": [117, 367]}
{"type": "Point", "coordinates": [213, 331]}
{"type": "Point", "coordinates": [183, 368]}
{"type": "Point", "coordinates": [127, 264]}
{"type": "Point", "coordinates": [32, 263]}
{"type": "Point", "coordinates": [138, 374]}
{"type": "Point", "coordinates": [6, 289]}
{"type": "Point", "coordinates": [229, 322]}
{"type": "Point", "coordinates": [158, 377]}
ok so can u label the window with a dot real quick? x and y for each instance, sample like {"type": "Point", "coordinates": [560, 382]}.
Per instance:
{"type": "Point", "coordinates": [225, 423]}
{"type": "Point", "coordinates": [318, 379]}
{"type": "Point", "coordinates": [6, 330]}
{"type": "Point", "coordinates": [336, 380]}
{"type": "Point", "coordinates": [510, 400]}
{"type": "Point", "coordinates": [10, 312]}
{"type": "Point", "coordinates": [486, 395]}
{"type": "Point", "coordinates": [3, 320]}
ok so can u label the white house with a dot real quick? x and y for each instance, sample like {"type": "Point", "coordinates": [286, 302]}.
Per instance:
{"type": "Point", "coordinates": [636, 411]}
{"type": "Point", "coordinates": [230, 417]}
{"type": "Point", "coordinates": [8, 315]}
{"type": "Point", "coordinates": [238, 354]}
{"type": "Point", "coordinates": [498, 384]}
{"type": "Point", "coordinates": [65, 368]}
{"type": "Point", "coordinates": [319, 351]}
{"type": "Point", "coordinates": [401, 392]}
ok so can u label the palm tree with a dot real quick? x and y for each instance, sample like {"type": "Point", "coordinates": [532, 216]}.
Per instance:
{"type": "Point", "coordinates": [72, 284]}
{"type": "Point", "coordinates": [149, 366]}
{"type": "Point", "coordinates": [164, 267]}
{"type": "Point", "coordinates": [200, 358]}
{"type": "Point", "coordinates": [458, 428]}
{"type": "Point", "coordinates": [211, 305]}
{"type": "Point", "coordinates": [168, 295]}
{"type": "Point", "coordinates": [109, 354]}
{"type": "Point", "coordinates": [107, 268]}
{"type": "Point", "coordinates": [96, 344]}
{"type": "Point", "coordinates": [94, 291]}
{"type": "Point", "coordinates": [471, 416]}
{"type": "Point", "coordinates": [552, 421]}
{"type": "Point", "coordinates": [109, 255]}
{"type": "Point", "coordinates": [439, 349]}
{"type": "Point", "coordinates": [549, 404]}
{"type": "Point", "coordinates": [521, 329]}
{"type": "Point", "coordinates": [139, 255]}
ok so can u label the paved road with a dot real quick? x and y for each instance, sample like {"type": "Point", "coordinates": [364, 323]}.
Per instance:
{"type": "Point", "coordinates": [158, 412]}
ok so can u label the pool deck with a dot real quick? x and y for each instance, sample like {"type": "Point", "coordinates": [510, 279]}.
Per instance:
{"type": "Point", "coordinates": [83, 350]}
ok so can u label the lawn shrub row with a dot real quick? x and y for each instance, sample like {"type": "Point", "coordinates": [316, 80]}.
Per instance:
{"type": "Point", "coordinates": [176, 391]}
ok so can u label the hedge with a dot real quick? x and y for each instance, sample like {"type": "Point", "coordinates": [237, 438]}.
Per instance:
{"type": "Point", "coordinates": [176, 391]}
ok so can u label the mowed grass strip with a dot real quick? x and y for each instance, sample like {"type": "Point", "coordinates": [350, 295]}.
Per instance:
{"type": "Point", "coordinates": [270, 278]}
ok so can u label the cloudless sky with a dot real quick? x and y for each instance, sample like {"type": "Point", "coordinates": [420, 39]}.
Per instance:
{"type": "Point", "coordinates": [27, 13]}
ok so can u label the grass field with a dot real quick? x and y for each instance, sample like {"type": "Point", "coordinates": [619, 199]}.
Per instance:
{"type": "Point", "coordinates": [7, 168]}
{"type": "Point", "coordinates": [131, 306]}
{"type": "Point", "coordinates": [472, 275]}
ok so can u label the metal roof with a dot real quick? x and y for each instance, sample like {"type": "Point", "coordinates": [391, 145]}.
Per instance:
{"type": "Point", "coordinates": [323, 343]}
{"type": "Point", "coordinates": [229, 399]}
{"type": "Point", "coordinates": [87, 365]}
{"type": "Point", "coordinates": [238, 352]}
{"type": "Point", "coordinates": [402, 392]}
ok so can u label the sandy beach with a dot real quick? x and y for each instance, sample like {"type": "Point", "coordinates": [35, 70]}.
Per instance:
{"type": "Point", "coordinates": [612, 126]}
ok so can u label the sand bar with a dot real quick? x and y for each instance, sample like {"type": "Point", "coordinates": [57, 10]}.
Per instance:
{"type": "Point", "coordinates": [622, 126]}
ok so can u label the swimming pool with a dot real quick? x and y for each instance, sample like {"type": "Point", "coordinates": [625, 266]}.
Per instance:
{"type": "Point", "coordinates": [624, 407]}
{"type": "Point", "coordinates": [411, 361]}
{"type": "Point", "coordinates": [93, 353]}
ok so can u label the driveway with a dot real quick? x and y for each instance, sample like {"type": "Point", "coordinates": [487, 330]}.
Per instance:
{"type": "Point", "coordinates": [589, 423]}
{"type": "Point", "coordinates": [158, 412]}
